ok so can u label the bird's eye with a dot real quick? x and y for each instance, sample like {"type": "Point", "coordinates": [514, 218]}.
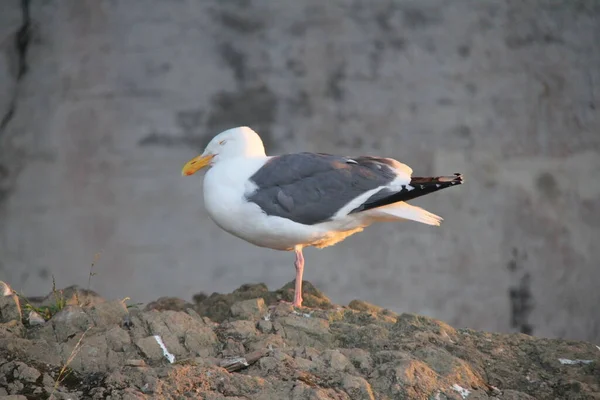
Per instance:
{"type": "Point", "coordinates": [222, 142]}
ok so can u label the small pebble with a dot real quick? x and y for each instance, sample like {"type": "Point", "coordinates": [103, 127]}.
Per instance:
{"type": "Point", "coordinates": [135, 363]}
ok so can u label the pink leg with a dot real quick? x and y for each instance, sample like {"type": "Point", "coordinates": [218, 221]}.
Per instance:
{"type": "Point", "coordinates": [299, 264]}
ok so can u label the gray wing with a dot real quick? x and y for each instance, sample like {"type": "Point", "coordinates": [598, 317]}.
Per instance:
{"type": "Point", "coordinates": [310, 188]}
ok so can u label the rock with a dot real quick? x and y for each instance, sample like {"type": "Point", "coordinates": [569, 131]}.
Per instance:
{"type": "Point", "coordinates": [184, 335]}
{"type": "Point", "coordinates": [13, 328]}
{"type": "Point", "coordinates": [405, 378]}
{"type": "Point", "coordinates": [217, 306]}
{"type": "Point", "coordinates": [371, 337]}
{"type": "Point", "coordinates": [410, 323]}
{"type": "Point", "coordinates": [176, 329]}
{"type": "Point", "coordinates": [277, 364]}
{"type": "Point", "coordinates": [168, 303]}
{"type": "Point", "coordinates": [357, 387]}
{"type": "Point", "coordinates": [34, 318]}
{"type": "Point", "coordinates": [515, 395]}
{"type": "Point", "coordinates": [64, 396]}
{"type": "Point", "coordinates": [239, 330]}
{"type": "Point", "coordinates": [10, 308]}
{"type": "Point", "coordinates": [265, 326]}
{"type": "Point", "coordinates": [26, 373]}
{"type": "Point", "coordinates": [107, 313]}
{"type": "Point", "coordinates": [203, 343]}
{"type": "Point", "coordinates": [150, 348]}
{"type": "Point", "coordinates": [446, 365]}
{"type": "Point", "coordinates": [70, 321]}
{"type": "Point", "coordinates": [69, 296]}
{"type": "Point", "coordinates": [337, 353]}
{"type": "Point", "coordinates": [312, 297]}
{"type": "Point", "coordinates": [88, 352]}
{"type": "Point", "coordinates": [135, 363]}
{"type": "Point", "coordinates": [304, 331]}
{"type": "Point", "coordinates": [117, 339]}
{"type": "Point", "coordinates": [43, 331]}
{"type": "Point", "coordinates": [77, 296]}
{"type": "Point", "coordinates": [165, 323]}
{"type": "Point", "coordinates": [6, 369]}
{"type": "Point", "coordinates": [267, 341]}
{"type": "Point", "coordinates": [38, 350]}
{"type": "Point", "coordinates": [360, 359]}
{"type": "Point", "coordinates": [15, 387]}
{"type": "Point", "coordinates": [5, 289]}
{"type": "Point", "coordinates": [303, 391]}
{"type": "Point", "coordinates": [233, 348]}
{"type": "Point", "coordinates": [132, 394]}
{"type": "Point", "coordinates": [336, 361]}
{"type": "Point", "coordinates": [360, 305]}
{"type": "Point", "coordinates": [252, 309]}
{"type": "Point", "coordinates": [47, 380]}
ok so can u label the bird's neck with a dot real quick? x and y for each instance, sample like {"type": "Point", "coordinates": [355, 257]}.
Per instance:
{"type": "Point", "coordinates": [233, 171]}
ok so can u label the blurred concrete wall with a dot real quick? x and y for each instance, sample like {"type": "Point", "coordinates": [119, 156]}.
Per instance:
{"type": "Point", "coordinates": [103, 101]}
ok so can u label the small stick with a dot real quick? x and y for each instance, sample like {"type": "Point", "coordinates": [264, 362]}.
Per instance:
{"type": "Point", "coordinates": [237, 363]}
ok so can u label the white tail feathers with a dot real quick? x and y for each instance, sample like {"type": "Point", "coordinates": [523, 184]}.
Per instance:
{"type": "Point", "coordinates": [403, 210]}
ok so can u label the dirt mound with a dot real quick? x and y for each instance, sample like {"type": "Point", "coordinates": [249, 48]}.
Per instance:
{"type": "Point", "coordinates": [249, 345]}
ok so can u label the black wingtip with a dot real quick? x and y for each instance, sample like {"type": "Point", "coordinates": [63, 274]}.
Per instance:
{"type": "Point", "coordinates": [419, 186]}
{"type": "Point", "coordinates": [426, 185]}
{"type": "Point", "coordinates": [459, 178]}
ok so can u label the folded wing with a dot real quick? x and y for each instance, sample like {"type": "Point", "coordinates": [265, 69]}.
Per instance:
{"type": "Point", "coordinates": [310, 188]}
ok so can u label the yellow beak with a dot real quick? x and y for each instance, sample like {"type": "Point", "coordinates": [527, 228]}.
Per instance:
{"type": "Point", "coordinates": [196, 164]}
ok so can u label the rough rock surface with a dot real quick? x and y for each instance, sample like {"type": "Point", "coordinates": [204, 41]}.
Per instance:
{"type": "Point", "coordinates": [102, 101]}
{"type": "Point", "coordinates": [259, 347]}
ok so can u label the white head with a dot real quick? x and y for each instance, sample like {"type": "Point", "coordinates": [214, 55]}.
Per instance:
{"type": "Point", "coordinates": [232, 143]}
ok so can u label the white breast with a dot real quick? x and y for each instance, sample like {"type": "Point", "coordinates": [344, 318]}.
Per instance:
{"type": "Point", "coordinates": [225, 185]}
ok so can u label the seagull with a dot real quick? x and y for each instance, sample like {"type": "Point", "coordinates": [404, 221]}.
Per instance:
{"type": "Point", "coordinates": [292, 201]}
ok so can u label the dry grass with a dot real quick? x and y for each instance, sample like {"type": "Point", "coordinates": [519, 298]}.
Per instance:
{"type": "Point", "coordinates": [182, 381]}
{"type": "Point", "coordinates": [64, 371]}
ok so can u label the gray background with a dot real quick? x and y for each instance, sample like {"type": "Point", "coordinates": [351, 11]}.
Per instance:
{"type": "Point", "coordinates": [103, 101]}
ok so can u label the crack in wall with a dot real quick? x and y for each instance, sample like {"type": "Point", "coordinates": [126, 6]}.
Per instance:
{"type": "Point", "coordinates": [520, 295]}
{"type": "Point", "coordinates": [22, 40]}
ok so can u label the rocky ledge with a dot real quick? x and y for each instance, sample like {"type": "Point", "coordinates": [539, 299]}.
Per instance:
{"type": "Point", "coordinates": [73, 344]}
